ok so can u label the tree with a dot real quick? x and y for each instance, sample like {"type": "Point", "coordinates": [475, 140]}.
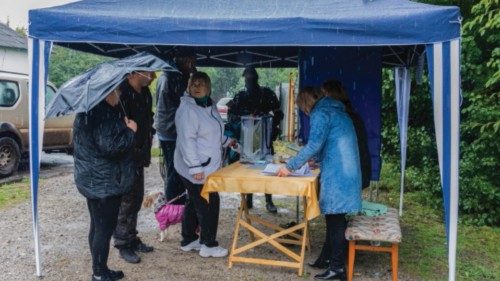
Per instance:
{"type": "Point", "coordinates": [66, 64]}
{"type": "Point", "coordinates": [480, 121]}
{"type": "Point", "coordinates": [21, 30]}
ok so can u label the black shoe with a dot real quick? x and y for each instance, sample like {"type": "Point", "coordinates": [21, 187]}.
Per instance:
{"type": "Point", "coordinates": [102, 278]}
{"type": "Point", "coordinates": [271, 208]}
{"type": "Point", "coordinates": [249, 201]}
{"type": "Point", "coordinates": [116, 275]}
{"type": "Point", "coordinates": [142, 248]}
{"type": "Point", "coordinates": [329, 274]}
{"type": "Point", "coordinates": [129, 255]}
{"type": "Point", "coordinates": [319, 264]}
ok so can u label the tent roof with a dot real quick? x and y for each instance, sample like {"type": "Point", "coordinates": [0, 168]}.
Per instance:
{"type": "Point", "coordinates": [116, 28]}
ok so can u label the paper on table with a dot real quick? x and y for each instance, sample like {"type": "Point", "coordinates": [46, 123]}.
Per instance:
{"type": "Point", "coordinates": [272, 169]}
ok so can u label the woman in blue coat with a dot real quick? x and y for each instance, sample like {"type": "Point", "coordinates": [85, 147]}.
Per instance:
{"type": "Point", "coordinates": [332, 140]}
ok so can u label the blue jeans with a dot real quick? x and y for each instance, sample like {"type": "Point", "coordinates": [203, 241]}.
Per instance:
{"type": "Point", "coordinates": [172, 184]}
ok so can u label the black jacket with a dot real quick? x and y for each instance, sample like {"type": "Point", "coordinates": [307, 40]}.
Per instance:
{"type": "Point", "coordinates": [138, 107]}
{"type": "Point", "coordinates": [364, 152]}
{"type": "Point", "coordinates": [261, 102]}
{"type": "Point", "coordinates": [102, 143]}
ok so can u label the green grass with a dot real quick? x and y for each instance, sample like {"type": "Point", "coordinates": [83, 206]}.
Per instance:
{"type": "Point", "coordinates": [424, 252]}
{"type": "Point", "coordinates": [13, 193]}
{"type": "Point", "coordinates": [155, 152]}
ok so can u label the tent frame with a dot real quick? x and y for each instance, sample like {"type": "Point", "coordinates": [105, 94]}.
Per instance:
{"type": "Point", "coordinates": [443, 57]}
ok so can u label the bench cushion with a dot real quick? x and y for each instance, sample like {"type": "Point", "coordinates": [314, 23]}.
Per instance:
{"type": "Point", "coordinates": [383, 228]}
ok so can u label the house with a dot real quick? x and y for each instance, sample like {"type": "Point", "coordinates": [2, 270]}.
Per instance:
{"type": "Point", "coordinates": [13, 51]}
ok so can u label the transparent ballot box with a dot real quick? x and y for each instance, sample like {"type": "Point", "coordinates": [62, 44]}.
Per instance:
{"type": "Point", "coordinates": [255, 138]}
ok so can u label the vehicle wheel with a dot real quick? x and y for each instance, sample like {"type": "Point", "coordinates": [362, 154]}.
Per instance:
{"type": "Point", "coordinates": [9, 156]}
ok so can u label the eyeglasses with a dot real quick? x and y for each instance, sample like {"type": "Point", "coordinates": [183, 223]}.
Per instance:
{"type": "Point", "coordinates": [149, 76]}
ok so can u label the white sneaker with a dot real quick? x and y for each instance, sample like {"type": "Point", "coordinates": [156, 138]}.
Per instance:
{"type": "Point", "coordinates": [193, 246]}
{"type": "Point", "coordinates": [216, 252]}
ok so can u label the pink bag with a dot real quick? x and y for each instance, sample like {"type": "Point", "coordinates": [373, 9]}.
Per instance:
{"type": "Point", "coordinates": [168, 214]}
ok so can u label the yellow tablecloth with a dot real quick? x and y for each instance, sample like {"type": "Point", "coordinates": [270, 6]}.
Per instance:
{"type": "Point", "coordinates": [243, 178]}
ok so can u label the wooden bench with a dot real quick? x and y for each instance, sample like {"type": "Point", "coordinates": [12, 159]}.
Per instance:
{"type": "Point", "coordinates": [383, 228]}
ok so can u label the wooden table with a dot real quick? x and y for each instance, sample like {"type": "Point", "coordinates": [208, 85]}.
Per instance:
{"type": "Point", "coordinates": [245, 179]}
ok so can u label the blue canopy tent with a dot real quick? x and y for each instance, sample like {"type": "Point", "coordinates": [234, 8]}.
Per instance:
{"type": "Point", "coordinates": [349, 39]}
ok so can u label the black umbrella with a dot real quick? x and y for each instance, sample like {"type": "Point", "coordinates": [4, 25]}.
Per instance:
{"type": "Point", "coordinates": [83, 92]}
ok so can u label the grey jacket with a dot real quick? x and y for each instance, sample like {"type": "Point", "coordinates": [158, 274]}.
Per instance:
{"type": "Point", "coordinates": [169, 90]}
{"type": "Point", "coordinates": [200, 139]}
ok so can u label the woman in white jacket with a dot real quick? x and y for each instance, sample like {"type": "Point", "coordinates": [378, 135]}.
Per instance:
{"type": "Point", "coordinates": [198, 153]}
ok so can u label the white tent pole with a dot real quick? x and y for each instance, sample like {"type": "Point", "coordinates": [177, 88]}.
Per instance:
{"type": "Point", "coordinates": [455, 154]}
{"type": "Point", "coordinates": [37, 55]}
{"type": "Point", "coordinates": [402, 79]}
{"type": "Point", "coordinates": [444, 66]}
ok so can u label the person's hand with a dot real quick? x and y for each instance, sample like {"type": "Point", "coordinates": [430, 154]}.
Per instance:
{"type": "Point", "coordinates": [312, 164]}
{"type": "Point", "coordinates": [131, 124]}
{"type": "Point", "coordinates": [233, 144]}
{"type": "Point", "coordinates": [199, 176]}
{"type": "Point", "coordinates": [284, 172]}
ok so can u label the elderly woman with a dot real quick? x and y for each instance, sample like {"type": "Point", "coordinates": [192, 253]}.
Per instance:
{"type": "Point", "coordinates": [103, 137]}
{"type": "Point", "coordinates": [198, 153]}
{"type": "Point", "coordinates": [333, 140]}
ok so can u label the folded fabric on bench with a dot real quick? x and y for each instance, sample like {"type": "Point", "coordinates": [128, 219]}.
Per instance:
{"type": "Point", "coordinates": [373, 209]}
{"type": "Point", "coordinates": [384, 228]}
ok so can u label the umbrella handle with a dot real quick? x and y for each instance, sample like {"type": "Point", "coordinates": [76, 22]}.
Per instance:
{"type": "Point", "coordinates": [121, 104]}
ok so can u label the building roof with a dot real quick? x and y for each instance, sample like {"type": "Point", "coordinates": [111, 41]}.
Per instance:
{"type": "Point", "coordinates": [11, 39]}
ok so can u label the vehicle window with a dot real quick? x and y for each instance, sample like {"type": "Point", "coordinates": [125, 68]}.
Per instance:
{"type": "Point", "coordinates": [49, 94]}
{"type": "Point", "coordinates": [224, 101]}
{"type": "Point", "coordinates": [9, 93]}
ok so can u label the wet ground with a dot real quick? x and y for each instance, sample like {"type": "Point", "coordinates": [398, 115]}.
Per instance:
{"type": "Point", "coordinates": [64, 225]}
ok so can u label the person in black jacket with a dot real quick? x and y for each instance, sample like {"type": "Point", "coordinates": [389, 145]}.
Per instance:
{"type": "Point", "coordinates": [137, 102]}
{"type": "Point", "coordinates": [170, 87]}
{"type": "Point", "coordinates": [102, 138]}
{"type": "Point", "coordinates": [258, 101]}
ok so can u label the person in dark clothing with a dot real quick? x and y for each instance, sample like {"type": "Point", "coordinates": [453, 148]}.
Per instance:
{"type": "Point", "coordinates": [258, 101]}
{"type": "Point", "coordinates": [102, 138]}
{"type": "Point", "coordinates": [137, 103]}
{"type": "Point", "coordinates": [169, 90]}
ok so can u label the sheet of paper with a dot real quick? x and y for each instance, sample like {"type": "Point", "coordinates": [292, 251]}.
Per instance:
{"type": "Point", "coordinates": [272, 169]}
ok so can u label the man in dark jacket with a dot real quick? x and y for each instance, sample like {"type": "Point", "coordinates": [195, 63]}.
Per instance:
{"type": "Point", "coordinates": [169, 90]}
{"type": "Point", "coordinates": [137, 102]}
{"type": "Point", "coordinates": [255, 100]}
{"type": "Point", "coordinates": [102, 139]}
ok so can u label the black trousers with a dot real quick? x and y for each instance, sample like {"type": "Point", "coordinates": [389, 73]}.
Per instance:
{"type": "Point", "coordinates": [173, 185]}
{"type": "Point", "coordinates": [126, 229]}
{"type": "Point", "coordinates": [199, 212]}
{"type": "Point", "coordinates": [103, 218]}
{"type": "Point", "coordinates": [335, 246]}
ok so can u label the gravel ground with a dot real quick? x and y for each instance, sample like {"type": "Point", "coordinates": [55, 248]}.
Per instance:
{"type": "Point", "coordinates": [64, 224]}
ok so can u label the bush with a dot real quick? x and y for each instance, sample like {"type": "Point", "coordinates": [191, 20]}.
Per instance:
{"type": "Point", "coordinates": [480, 124]}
